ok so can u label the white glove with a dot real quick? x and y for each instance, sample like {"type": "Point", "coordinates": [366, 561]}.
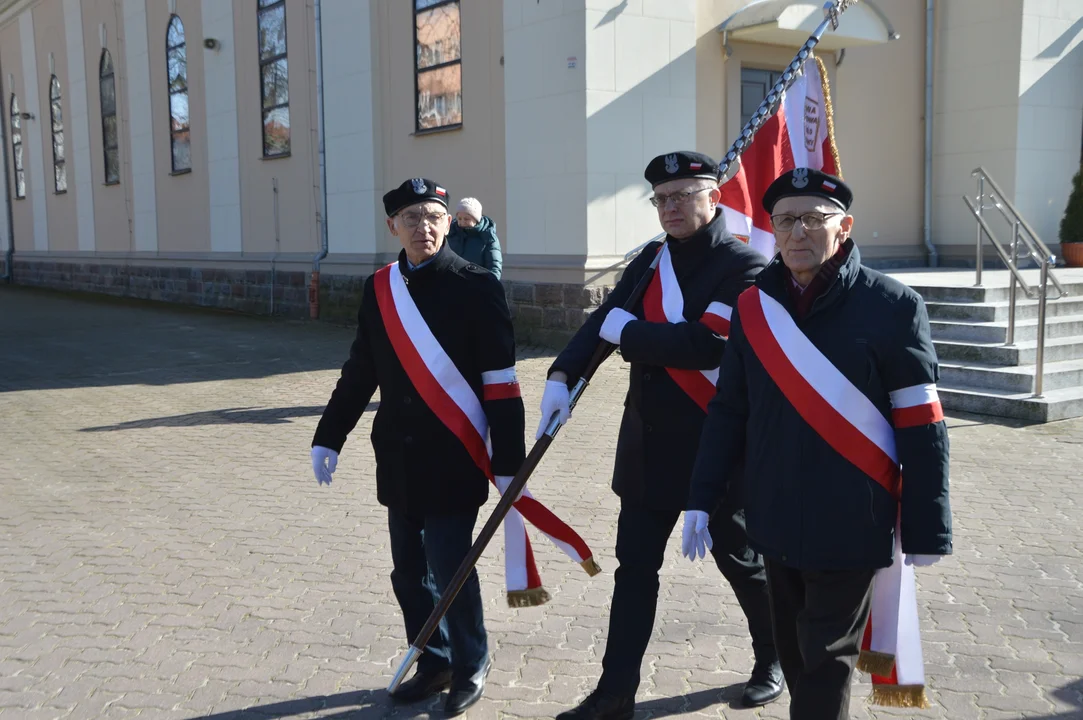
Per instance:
{"type": "Point", "coordinates": [922, 560]}
{"type": "Point", "coordinates": [613, 325]}
{"type": "Point", "coordinates": [555, 400]}
{"type": "Point", "coordinates": [504, 481]}
{"type": "Point", "coordinates": [324, 462]}
{"type": "Point", "coordinates": [696, 538]}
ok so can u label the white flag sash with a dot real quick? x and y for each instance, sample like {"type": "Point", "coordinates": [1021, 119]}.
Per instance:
{"type": "Point", "coordinates": [849, 422]}
{"type": "Point", "coordinates": [451, 398]}
{"type": "Point", "coordinates": [664, 302]}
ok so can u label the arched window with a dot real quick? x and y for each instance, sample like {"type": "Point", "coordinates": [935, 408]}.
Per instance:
{"type": "Point", "coordinates": [180, 142]}
{"type": "Point", "coordinates": [17, 149]}
{"type": "Point", "coordinates": [60, 170]}
{"type": "Point", "coordinates": [108, 89]}
{"type": "Point", "coordinates": [274, 77]}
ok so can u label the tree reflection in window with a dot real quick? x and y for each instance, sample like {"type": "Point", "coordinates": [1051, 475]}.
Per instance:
{"type": "Point", "coordinates": [180, 141]}
{"type": "Point", "coordinates": [438, 64]}
{"type": "Point", "coordinates": [274, 77]}
{"type": "Point", "coordinates": [108, 92]}
{"type": "Point", "coordinates": [56, 116]}
{"type": "Point", "coordinates": [17, 149]}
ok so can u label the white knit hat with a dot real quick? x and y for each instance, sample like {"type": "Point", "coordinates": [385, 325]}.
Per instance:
{"type": "Point", "coordinates": [470, 206]}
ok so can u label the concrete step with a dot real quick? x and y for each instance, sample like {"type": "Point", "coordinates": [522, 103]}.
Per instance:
{"type": "Point", "coordinates": [1021, 353]}
{"type": "Point", "coordinates": [1020, 379]}
{"type": "Point", "coordinates": [998, 311]}
{"type": "Point", "coordinates": [1054, 405]}
{"type": "Point", "coordinates": [993, 332]}
{"type": "Point", "coordinates": [986, 294]}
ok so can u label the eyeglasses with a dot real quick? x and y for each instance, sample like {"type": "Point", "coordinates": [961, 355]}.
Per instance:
{"type": "Point", "coordinates": [678, 199]}
{"type": "Point", "coordinates": [810, 221]}
{"type": "Point", "coordinates": [412, 220]}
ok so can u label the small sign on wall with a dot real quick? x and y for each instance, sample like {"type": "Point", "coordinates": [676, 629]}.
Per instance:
{"type": "Point", "coordinates": [572, 62]}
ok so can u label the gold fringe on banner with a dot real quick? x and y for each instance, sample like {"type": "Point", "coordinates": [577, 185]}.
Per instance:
{"type": "Point", "coordinates": [875, 663]}
{"type": "Point", "coordinates": [899, 696]}
{"type": "Point", "coordinates": [528, 598]}
{"type": "Point", "coordinates": [829, 111]}
{"type": "Point", "coordinates": [592, 567]}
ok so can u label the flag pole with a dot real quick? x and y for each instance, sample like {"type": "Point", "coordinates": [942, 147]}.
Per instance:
{"type": "Point", "coordinates": [832, 9]}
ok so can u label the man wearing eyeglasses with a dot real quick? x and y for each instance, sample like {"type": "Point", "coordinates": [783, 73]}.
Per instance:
{"type": "Point", "coordinates": [673, 341]}
{"type": "Point", "coordinates": [827, 388]}
{"type": "Point", "coordinates": [435, 335]}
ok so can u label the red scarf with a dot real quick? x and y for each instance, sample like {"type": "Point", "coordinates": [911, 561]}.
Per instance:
{"type": "Point", "coordinates": [803, 298]}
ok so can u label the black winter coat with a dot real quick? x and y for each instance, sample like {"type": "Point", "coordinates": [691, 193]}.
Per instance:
{"type": "Point", "coordinates": [806, 506]}
{"type": "Point", "coordinates": [421, 466]}
{"type": "Point", "coordinates": [660, 430]}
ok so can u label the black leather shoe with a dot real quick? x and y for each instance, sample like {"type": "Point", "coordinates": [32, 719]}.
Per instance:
{"type": "Point", "coordinates": [421, 686]}
{"type": "Point", "coordinates": [764, 686]}
{"type": "Point", "coordinates": [465, 693]}
{"type": "Point", "coordinates": [602, 706]}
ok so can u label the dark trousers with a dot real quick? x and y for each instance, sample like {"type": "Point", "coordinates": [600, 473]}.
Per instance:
{"type": "Point", "coordinates": [819, 619]}
{"type": "Point", "coordinates": [426, 552]}
{"type": "Point", "coordinates": [642, 535]}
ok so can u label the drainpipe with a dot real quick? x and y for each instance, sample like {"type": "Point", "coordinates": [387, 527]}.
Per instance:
{"type": "Point", "coordinates": [9, 254]}
{"type": "Point", "coordinates": [314, 285]}
{"type": "Point", "coordinates": [927, 229]}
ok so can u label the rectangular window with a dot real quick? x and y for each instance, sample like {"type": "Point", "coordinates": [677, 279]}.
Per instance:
{"type": "Point", "coordinates": [274, 77]}
{"type": "Point", "coordinates": [755, 84]}
{"type": "Point", "coordinates": [438, 80]}
{"type": "Point", "coordinates": [110, 143]}
{"type": "Point", "coordinates": [180, 131]}
{"type": "Point", "coordinates": [17, 149]}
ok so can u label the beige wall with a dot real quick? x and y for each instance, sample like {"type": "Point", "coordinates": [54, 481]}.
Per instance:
{"type": "Point", "coordinates": [1050, 113]}
{"type": "Point", "coordinates": [22, 211]}
{"type": "Point", "coordinates": [112, 203]}
{"type": "Point", "coordinates": [879, 99]}
{"type": "Point", "coordinates": [711, 135]}
{"type": "Point", "coordinates": [183, 201]}
{"type": "Point", "coordinates": [296, 174]}
{"type": "Point", "coordinates": [49, 37]}
{"type": "Point", "coordinates": [469, 161]}
{"type": "Point", "coordinates": [976, 110]}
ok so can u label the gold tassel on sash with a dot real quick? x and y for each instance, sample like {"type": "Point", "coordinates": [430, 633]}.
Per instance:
{"type": "Point", "coordinates": [875, 663]}
{"type": "Point", "coordinates": [900, 696]}
{"type": "Point", "coordinates": [528, 598]}
{"type": "Point", "coordinates": [592, 567]}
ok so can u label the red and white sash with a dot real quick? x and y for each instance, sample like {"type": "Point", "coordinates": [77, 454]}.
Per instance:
{"type": "Point", "coordinates": [845, 417]}
{"type": "Point", "coordinates": [664, 302]}
{"type": "Point", "coordinates": [447, 393]}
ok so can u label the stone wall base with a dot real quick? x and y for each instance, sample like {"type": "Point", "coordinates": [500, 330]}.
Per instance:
{"type": "Point", "coordinates": [545, 314]}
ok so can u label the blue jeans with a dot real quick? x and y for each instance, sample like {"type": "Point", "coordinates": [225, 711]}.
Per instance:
{"type": "Point", "coordinates": [426, 551]}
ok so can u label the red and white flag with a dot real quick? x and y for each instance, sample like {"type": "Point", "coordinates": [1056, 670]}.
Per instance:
{"type": "Point", "coordinates": [799, 134]}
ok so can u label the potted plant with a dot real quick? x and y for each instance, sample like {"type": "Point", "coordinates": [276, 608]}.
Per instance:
{"type": "Point", "coordinates": [1071, 226]}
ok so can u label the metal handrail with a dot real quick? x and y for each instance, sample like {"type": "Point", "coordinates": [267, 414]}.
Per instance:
{"type": "Point", "coordinates": [1036, 250]}
{"type": "Point", "coordinates": [636, 250]}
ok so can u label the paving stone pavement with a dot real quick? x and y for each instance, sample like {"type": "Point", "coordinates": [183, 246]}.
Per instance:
{"type": "Point", "coordinates": [165, 552]}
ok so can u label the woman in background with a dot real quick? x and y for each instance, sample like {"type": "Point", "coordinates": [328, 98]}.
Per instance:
{"type": "Point", "coordinates": [473, 236]}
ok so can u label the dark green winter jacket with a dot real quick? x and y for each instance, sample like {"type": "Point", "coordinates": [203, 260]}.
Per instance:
{"type": "Point", "coordinates": [478, 244]}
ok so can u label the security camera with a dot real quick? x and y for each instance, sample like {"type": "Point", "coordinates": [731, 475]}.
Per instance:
{"type": "Point", "coordinates": [211, 44]}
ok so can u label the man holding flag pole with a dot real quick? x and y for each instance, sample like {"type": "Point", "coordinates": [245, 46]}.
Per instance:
{"type": "Point", "coordinates": [434, 334]}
